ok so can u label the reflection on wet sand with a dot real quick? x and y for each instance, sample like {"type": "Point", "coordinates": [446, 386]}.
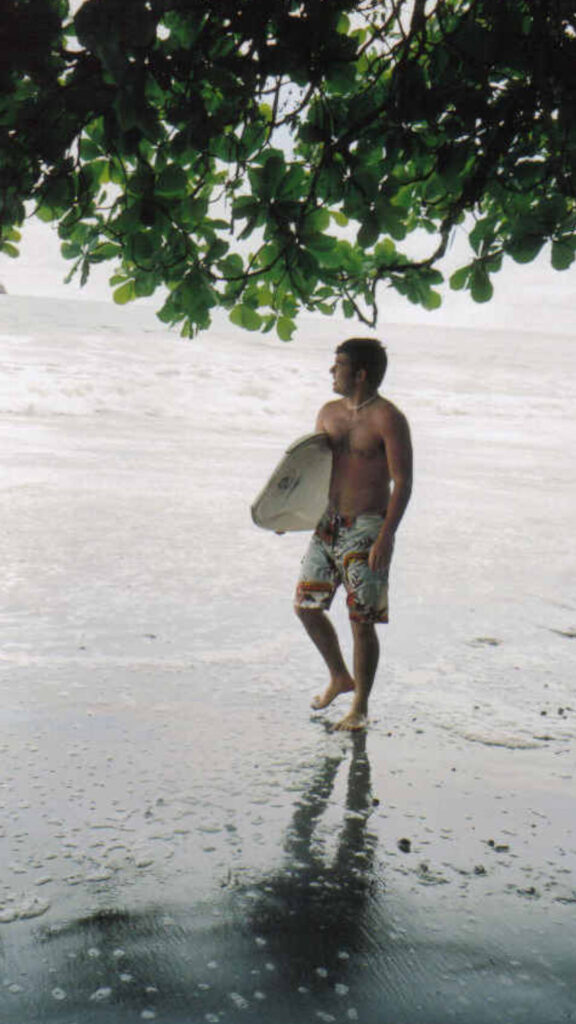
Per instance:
{"type": "Point", "coordinates": [318, 939]}
{"type": "Point", "coordinates": [281, 946]}
{"type": "Point", "coordinates": [313, 912]}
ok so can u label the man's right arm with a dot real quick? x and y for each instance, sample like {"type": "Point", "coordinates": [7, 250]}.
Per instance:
{"type": "Point", "coordinates": [323, 419]}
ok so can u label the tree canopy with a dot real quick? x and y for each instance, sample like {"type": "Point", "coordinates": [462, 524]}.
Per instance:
{"type": "Point", "coordinates": [294, 154]}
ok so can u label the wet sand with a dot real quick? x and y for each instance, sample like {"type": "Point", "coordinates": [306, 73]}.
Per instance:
{"type": "Point", "coordinates": [181, 839]}
{"type": "Point", "coordinates": [237, 863]}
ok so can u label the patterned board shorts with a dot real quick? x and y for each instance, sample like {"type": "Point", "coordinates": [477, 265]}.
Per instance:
{"type": "Point", "coordinates": [338, 553]}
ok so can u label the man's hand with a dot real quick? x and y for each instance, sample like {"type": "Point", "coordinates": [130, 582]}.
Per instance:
{"type": "Point", "coordinates": [380, 554]}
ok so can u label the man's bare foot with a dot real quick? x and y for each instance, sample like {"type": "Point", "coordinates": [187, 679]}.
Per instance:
{"type": "Point", "coordinates": [352, 722]}
{"type": "Point", "coordinates": [334, 689]}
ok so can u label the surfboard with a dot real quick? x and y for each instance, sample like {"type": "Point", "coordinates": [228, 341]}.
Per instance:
{"type": "Point", "coordinates": [296, 494]}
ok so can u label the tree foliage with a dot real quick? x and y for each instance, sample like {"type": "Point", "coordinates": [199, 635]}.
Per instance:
{"type": "Point", "coordinates": [270, 157]}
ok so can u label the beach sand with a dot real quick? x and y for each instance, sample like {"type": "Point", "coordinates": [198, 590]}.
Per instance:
{"type": "Point", "coordinates": [181, 838]}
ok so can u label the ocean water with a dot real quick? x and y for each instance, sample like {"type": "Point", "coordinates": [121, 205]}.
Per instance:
{"type": "Point", "coordinates": [174, 826]}
{"type": "Point", "coordinates": [131, 458]}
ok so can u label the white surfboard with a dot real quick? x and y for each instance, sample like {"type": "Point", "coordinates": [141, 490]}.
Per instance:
{"type": "Point", "coordinates": [296, 494]}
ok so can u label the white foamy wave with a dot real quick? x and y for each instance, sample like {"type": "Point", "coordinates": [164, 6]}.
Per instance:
{"type": "Point", "coordinates": [21, 907]}
{"type": "Point", "coordinates": [86, 359]}
{"type": "Point", "coordinates": [495, 739]}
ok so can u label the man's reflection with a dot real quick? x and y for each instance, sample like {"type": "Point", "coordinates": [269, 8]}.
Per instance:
{"type": "Point", "coordinates": [282, 946]}
{"type": "Point", "coordinates": [313, 912]}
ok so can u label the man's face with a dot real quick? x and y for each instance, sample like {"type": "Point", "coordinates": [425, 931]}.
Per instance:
{"type": "Point", "coordinates": [343, 378]}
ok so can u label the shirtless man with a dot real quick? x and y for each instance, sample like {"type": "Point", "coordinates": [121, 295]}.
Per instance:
{"type": "Point", "coordinates": [369, 490]}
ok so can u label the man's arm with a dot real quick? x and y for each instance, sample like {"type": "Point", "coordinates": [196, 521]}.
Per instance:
{"type": "Point", "coordinates": [396, 438]}
{"type": "Point", "coordinates": [320, 424]}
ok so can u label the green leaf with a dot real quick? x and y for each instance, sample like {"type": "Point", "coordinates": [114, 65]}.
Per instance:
{"type": "Point", "coordinates": [70, 250]}
{"type": "Point", "coordinates": [46, 214]}
{"type": "Point", "coordinates": [245, 316]}
{"type": "Point", "coordinates": [493, 263]}
{"type": "Point", "coordinates": [216, 249]}
{"type": "Point", "coordinates": [289, 306]}
{"type": "Point", "coordinates": [285, 328]}
{"type": "Point", "coordinates": [253, 138]}
{"type": "Point", "coordinates": [562, 255]}
{"type": "Point", "coordinates": [327, 252]}
{"type": "Point", "coordinates": [482, 233]}
{"type": "Point", "coordinates": [266, 111]}
{"type": "Point", "coordinates": [98, 171]}
{"type": "Point", "coordinates": [250, 225]}
{"type": "Point", "coordinates": [172, 182]}
{"type": "Point", "coordinates": [143, 246]}
{"type": "Point", "coordinates": [196, 296]}
{"type": "Point", "coordinates": [265, 180]}
{"type": "Point", "coordinates": [330, 185]}
{"type": "Point", "coordinates": [525, 250]}
{"type": "Point", "coordinates": [480, 285]}
{"type": "Point", "coordinates": [321, 243]}
{"type": "Point", "coordinates": [368, 233]}
{"type": "Point", "coordinates": [89, 150]}
{"type": "Point", "coordinates": [460, 278]}
{"type": "Point", "coordinates": [72, 273]}
{"type": "Point", "coordinates": [292, 184]}
{"type": "Point", "coordinates": [9, 250]}
{"type": "Point", "coordinates": [168, 313]}
{"type": "Point", "coordinates": [267, 324]}
{"type": "Point", "coordinates": [391, 218]}
{"type": "Point", "coordinates": [339, 218]}
{"type": "Point", "coordinates": [245, 207]}
{"type": "Point", "coordinates": [145, 285]}
{"type": "Point", "coordinates": [366, 182]}
{"type": "Point", "coordinates": [342, 80]}
{"type": "Point", "coordinates": [264, 295]}
{"type": "Point", "coordinates": [386, 252]}
{"type": "Point", "coordinates": [232, 265]}
{"type": "Point", "coordinates": [105, 251]}
{"type": "Point", "coordinates": [317, 221]}
{"type": "Point", "coordinates": [126, 293]}
{"type": "Point", "coordinates": [433, 300]}
{"type": "Point", "coordinates": [274, 171]}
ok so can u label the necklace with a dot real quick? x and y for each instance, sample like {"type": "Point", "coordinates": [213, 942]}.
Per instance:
{"type": "Point", "coordinates": [356, 408]}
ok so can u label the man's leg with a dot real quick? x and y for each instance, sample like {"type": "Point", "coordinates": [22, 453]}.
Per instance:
{"type": "Point", "coordinates": [366, 655]}
{"type": "Point", "coordinates": [323, 636]}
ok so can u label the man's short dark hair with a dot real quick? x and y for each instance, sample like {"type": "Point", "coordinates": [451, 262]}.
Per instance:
{"type": "Point", "coordinates": [366, 354]}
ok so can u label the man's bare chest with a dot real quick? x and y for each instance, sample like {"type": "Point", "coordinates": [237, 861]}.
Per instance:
{"type": "Point", "coordinates": [357, 441]}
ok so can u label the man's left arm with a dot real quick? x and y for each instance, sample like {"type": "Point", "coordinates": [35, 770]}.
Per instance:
{"type": "Point", "coordinates": [396, 438]}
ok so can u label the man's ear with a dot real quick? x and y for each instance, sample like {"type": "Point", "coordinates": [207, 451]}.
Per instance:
{"type": "Point", "coordinates": [361, 376]}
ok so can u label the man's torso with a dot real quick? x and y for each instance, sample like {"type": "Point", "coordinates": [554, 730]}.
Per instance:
{"type": "Point", "coordinates": [360, 482]}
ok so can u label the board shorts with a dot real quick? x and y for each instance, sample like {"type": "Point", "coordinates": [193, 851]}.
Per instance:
{"type": "Point", "coordinates": [338, 553]}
